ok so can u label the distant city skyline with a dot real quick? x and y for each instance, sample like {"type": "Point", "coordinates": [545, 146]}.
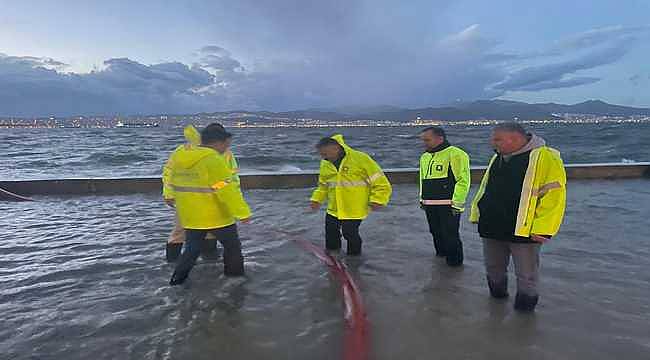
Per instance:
{"type": "Point", "coordinates": [152, 57]}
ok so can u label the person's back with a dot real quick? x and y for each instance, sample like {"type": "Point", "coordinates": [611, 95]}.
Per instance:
{"type": "Point", "coordinates": [201, 176]}
{"type": "Point", "coordinates": [207, 200]}
{"type": "Point", "coordinates": [175, 240]}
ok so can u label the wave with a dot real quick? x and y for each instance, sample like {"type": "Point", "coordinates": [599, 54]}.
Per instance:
{"type": "Point", "coordinates": [289, 168]}
{"type": "Point", "coordinates": [118, 159]}
{"type": "Point", "coordinates": [269, 160]}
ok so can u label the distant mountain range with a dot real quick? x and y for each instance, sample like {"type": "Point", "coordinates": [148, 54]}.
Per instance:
{"type": "Point", "coordinates": [482, 109]}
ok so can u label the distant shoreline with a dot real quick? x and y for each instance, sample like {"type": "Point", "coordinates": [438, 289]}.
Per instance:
{"type": "Point", "coordinates": [358, 124]}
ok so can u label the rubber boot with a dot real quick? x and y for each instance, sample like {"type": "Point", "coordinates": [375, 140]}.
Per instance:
{"type": "Point", "coordinates": [525, 303]}
{"type": "Point", "coordinates": [176, 280]}
{"type": "Point", "coordinates": [173, 251]}
{"type": "Point", "coordinates": [498, 290]}
{"type": "Point", "coordinates": [209, 250]}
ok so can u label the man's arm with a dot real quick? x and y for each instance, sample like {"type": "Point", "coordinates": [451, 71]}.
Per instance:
{"type": "Point", "coordinates": [227, 191]}
{"type": "Point", "coordinates": [460, 168]}
{"type": "Point", "coordinates": [420, 175]}
{"type": "Point", "coordinates": [319, 196]}
{"type": "Point", "coordinates": [380, 187]}
{"type": "Point", "coordinates": [234, 166]}
{"type": "Point", "coordinates": [551, 197]}
{"type": "Point", "coordinates": [168, 192]}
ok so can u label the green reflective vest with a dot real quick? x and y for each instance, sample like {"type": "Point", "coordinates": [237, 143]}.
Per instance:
{"type": "Point", "coordinates": [445, 177]}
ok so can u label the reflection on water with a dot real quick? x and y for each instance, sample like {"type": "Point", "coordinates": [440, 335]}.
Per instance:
{"type": "Point", "coordinates": [84, 277]}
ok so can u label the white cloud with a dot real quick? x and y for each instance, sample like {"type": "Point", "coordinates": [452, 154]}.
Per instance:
{"type": "Point", "coordinates": [332, 62]}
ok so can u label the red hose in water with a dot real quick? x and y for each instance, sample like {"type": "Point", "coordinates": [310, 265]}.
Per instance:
{"type": "Point", "coordinates": [355, 345]}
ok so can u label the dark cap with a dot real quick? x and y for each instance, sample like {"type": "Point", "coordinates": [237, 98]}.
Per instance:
{"type": "Point", "coordinates": [214, 132]}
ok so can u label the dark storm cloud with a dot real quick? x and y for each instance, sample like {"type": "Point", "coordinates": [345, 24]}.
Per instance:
{"type": "Point", "coordinates": [554, 75]}
{"type": "Point", "coordinates": [290, 54]}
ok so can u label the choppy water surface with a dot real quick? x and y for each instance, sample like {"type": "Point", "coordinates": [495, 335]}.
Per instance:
{"type": "Point", "coordinates": [56, 153]}
{"type": "Point", "coordinates": [84, 277]}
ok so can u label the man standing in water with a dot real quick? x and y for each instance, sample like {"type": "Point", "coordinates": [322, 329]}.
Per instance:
{"type": "Point", "coordinates": [352, 183]}
{"type": "Point", "coordinates": [444, 184]}
{"type": "Point", "coordinates": [518, 207]}
{"type": "Point", "coordinates": [176, 238]}
{"type": "Point", "coordinates": [207, 200]}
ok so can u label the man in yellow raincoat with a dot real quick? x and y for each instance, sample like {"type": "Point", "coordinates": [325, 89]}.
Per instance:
{"type": "Point", "coordinates": [209, 250]}
{"type": "Point", "coordinates": [352, 184]}
{"type": "Point", "coordinates": [206, 200]}
{"type": "Point", "coordinates": [518, 207]}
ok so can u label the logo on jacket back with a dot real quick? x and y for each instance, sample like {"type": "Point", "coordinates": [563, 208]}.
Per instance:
{"type": "Point", "coordinates": [438, 167]}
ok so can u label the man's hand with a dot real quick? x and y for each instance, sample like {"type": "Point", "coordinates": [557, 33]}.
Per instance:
{"type": "Point", "coordinates": [170, 202]}
{"type": "Point", "coordinates": [314, 206]}
{"type": "Point", "coordinates": [375, 206]}
{"type": "Point", "coordinates": [245, 221]}
{"type": "Point", "coordinates": [538, 238]}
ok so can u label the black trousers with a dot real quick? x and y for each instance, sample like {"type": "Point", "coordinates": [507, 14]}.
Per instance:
{"type": "Point", "coordinates": [233, 260]}
{"type": "Point", "coordinates": [350, 229]}
{"type": "Point", "coordinates": [444, 226]}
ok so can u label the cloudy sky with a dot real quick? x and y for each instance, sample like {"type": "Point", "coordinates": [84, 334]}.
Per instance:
{"type": "Point", "coordinates": [129, 57]}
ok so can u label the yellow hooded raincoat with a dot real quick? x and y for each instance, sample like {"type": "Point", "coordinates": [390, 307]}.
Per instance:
{"type": "Point", "coordinates": [351, 188]}
{"type": "Point", "coordinates": [204, 185]}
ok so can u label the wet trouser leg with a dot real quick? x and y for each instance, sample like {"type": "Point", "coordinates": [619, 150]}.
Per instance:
{"type": "Point", "coordinates": [433, 219]}
{"type": "Point", "coordinates": [191, 252]}
{"type": "Point", "coordinates": [209, 248]}
{"type": "Point", "coordinates": [350, 230]}
{"type": "Point", "coordinates": [451, 244]}
{"type": "Point", "coordinates": [175, 242]}
{"type": "Point", "coordinates": [332, 233]}
{"type": "Point", "coordinates": [233, 260]}
{"type": "Point", "coordinates": [177, 236]}
{"type": "Point", "coordinates": [496, 254]}
{"type": "Point", "coordinates": [526, 259]}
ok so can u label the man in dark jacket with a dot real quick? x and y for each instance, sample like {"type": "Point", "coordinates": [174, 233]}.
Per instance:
{"type": "Point", "coordinates": [519, 206]}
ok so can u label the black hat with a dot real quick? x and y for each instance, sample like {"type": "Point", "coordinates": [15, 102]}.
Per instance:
{"type": "Point", "coordinates": [214, 132]}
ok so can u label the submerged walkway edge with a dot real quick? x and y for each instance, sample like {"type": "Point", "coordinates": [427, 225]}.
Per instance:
{"type": "Point", "coordinates": [285, 180]}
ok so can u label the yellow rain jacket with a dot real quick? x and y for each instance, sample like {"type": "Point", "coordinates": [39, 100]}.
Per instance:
{"type": "Point", "coordinates": [201, 183]}
{"type": "Point", "coordinates": [193, 138]}
{"type": "Point", "coordinates": [543, 195]}
{"type": "Point", "coordinates": [350, 189]}
{"type": "Point", "coordinates": [231, 162]}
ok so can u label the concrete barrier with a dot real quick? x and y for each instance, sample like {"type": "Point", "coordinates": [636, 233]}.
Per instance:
{"type": "Point", "coordinates": [286, 180]}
